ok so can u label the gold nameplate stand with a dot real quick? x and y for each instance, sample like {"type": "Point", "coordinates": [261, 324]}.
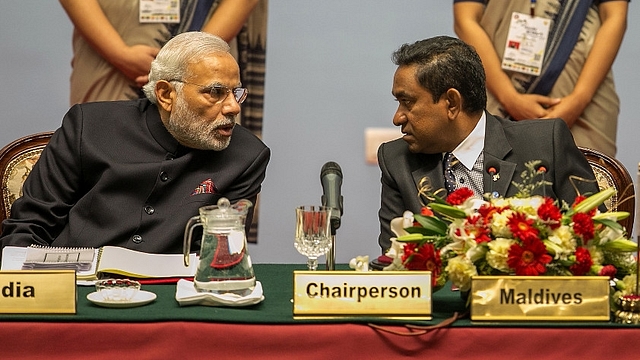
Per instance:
{"type": "Point", "coordinates": [388, 294]}
{"type": "Point", "coordinates": [540, 298]}
{"type": "Point", "coordinates": [38, 292]}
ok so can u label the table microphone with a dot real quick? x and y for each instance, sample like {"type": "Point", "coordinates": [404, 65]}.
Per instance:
{"type": "Point", "coordinates": [331, 179]}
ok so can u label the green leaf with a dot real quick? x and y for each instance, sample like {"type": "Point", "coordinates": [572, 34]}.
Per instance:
{"type": "Point", "coordinates": [619, 215]}
{"type": "Point", "coordinates": [438, 200]}
{"type": "Point", "coordinates": [608, 223]}
{"type": "Point", "coordinates": [420, 230]}
{"type": "Point", "coordinates": [431, 224]}
{"type": "Point", "coordinates": [410, 238]}
{"type": "Point", "coordinates": [621, 245]}
{"type": "Point", "coordinates": [594, 201]}
{"type": "Point", "coordinates": [448, 210]}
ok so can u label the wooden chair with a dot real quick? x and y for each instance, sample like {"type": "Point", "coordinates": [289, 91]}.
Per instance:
{"type": "Point", "coordinates": [16, 161]}
{"type": "Point", "coordinates": [610, 172]}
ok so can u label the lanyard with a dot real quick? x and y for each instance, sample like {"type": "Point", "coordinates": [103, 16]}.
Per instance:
{"type": "Point", "coordinates": [533, 7]}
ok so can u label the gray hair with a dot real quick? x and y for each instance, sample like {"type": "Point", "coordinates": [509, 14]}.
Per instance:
{"type": "Point", "coordinates": [182, 50]}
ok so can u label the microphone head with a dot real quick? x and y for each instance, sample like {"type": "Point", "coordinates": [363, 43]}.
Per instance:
{"type": "Point", "coordinates": [330, 168]}
{"type": "Point", "coordinates": [331, 180]}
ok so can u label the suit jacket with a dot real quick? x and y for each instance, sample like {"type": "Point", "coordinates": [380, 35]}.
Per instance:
{"type": "Point", "coordinates": [113, 175]}
{"type": "Point", "coordinates": [508, 145]}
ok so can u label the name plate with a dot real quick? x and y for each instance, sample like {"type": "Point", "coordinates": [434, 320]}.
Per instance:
{"type": "Point", "coordinates": [389, 294]}
{"type": "Point", "coordinates": [38, 292]}
{"type": "Point", "coordinates": [540, 298]}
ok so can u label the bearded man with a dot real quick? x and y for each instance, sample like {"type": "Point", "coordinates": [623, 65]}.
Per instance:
{"type": "Point", "coordinates": [131, 173]}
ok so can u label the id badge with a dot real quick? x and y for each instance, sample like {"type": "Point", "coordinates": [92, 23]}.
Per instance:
{"type": "Point", "coordinates": [526, 42]}
{"type": "Point", "coordinates": [159, 11]}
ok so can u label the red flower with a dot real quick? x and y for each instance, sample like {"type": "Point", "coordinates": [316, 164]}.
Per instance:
{"type": "Point", "coordinates": [549, 213]}
{"type": "Point", "coordinates": [487, 211]}
{"type": "Point", "coordinates": [475, 226]}
{"type": "Point", "coordinates": [522, 228]}
{"type": "Point", "coordinates": [583, 262]}
{"type": "Point", "coordinates": [426, 211]}
{"type": "Point", "coordinates": [459, 196]}
{"type": "Point", "coordinates": [608, 270]}
{"type": "Point", "coordinates": [578, 200]}
{"type": "Point", "coordinates": [583, 226]}
{"type": "Point", "coordinates": [529, 258]}
{"type": "Point", "coordinates": [422, 257]}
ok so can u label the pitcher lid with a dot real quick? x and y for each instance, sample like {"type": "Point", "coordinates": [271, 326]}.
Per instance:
{"type": "Point", "coordinates": [224, 209]}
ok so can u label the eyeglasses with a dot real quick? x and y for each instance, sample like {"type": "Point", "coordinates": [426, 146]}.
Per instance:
{"type": "Point", "coordinates": [220, 92]}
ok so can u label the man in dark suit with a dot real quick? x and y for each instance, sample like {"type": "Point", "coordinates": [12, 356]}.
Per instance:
{"type": "Point", "coordinates": [440, 88]}
{"type": "Point", "coordinates": [131, 173]}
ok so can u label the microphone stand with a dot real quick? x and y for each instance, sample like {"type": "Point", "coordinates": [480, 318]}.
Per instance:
{"type": "Point", "coordinates": [331, 254]}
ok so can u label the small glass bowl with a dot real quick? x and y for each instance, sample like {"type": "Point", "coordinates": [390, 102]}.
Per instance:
{"type": "Point", "coordinates": [117, 290]}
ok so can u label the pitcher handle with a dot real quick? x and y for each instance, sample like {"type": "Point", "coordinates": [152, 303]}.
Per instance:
{"type": "Point", "coordinates": [188, 231]}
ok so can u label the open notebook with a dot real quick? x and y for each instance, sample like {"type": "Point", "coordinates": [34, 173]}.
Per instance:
{"type": "Point", "coordinates": [105, 260]}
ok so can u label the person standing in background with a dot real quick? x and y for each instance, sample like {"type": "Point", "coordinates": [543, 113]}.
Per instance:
{"type": "Point", "coordinates": [573, 80]}
{"type": "Point", "coordinates": [114, 42]}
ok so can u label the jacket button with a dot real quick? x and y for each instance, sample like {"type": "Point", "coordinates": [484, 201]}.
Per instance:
{"type": "Point", "coordinates": [136, 239]}
{"type": "Point", "coordinates": [149, 209]}
{"type": "Point", "coordinates": [164, 176]}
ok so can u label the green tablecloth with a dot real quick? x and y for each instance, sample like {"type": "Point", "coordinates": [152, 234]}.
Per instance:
{"type": "Point", "coordinates": [277, 307]}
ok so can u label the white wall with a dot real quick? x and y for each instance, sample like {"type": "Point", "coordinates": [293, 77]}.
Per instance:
{"type": "Point", "coordinates": [328, 78]}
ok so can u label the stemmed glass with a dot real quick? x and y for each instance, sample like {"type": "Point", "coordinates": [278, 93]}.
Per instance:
{"type": "Point", "coordinates": [313, 232]}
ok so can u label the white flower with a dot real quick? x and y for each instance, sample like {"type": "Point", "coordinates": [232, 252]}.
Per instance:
{"type": "Point", "coordinates": [471, 205]}
{"type": "Point", "coordinates": [457, 247]}
{"type": "Point", "coordinates": [528, 205]}
{"type": "Point", "coordinates": [475, 252]}
{"type": "Point", "coordinates": [596, 254]}
{"type": "Point", "coordinates": [456, 230]}
{"type": "Point", "coordinates": [499, 222]}
{"type": "Point", "coordinates": [610, 234]}
{"type": "Point", "coordinates": [498, 253]}
{"type": "Point", "coordinates": [399, 224]}
{"type": "Point", "coordinates": [360, 263]}
{"type": "Point", "coordinates": [460, 270]}
{"type": "Point", "coordinates": [564, 240]}
{"type": "Point", "coordinates": [395, 252]}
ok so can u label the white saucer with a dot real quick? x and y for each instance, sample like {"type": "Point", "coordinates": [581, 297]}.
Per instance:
{"type": "Point", "coordinates": [141, 298]}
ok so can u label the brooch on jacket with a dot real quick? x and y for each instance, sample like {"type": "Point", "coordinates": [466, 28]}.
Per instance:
{"type": "Point", "coordinates": [205, 187]}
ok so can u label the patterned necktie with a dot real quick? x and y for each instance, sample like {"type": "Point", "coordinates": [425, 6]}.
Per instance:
{"type": "Point", "coordinates": [449, 178]}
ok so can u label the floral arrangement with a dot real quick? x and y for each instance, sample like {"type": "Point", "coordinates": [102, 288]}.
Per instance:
{"type": "Point", "coordinates": [462, 236]}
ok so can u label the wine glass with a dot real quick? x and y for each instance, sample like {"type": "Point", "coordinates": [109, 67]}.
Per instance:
{"type": "Point", "coordinates": [313, 232]}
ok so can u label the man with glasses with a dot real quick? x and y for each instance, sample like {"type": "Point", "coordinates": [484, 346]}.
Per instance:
{"type": "Point", "coordinates": [131, 173]}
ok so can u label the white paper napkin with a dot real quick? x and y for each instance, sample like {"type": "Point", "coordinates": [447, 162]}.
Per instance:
{"type": "Point", "coordinates": [186, 294]}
